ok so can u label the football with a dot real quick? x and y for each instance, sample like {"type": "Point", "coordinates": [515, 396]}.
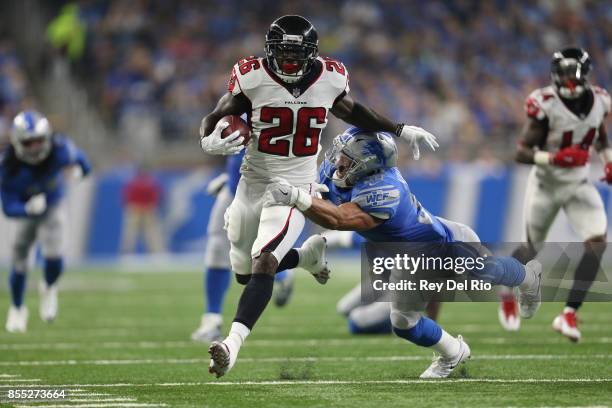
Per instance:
{"type": "Point", "coordinates": [236, 123]}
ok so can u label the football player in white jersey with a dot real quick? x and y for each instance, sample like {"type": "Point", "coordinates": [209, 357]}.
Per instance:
{"type": "Point", "coordinates": [287, 96]}
{"type": "Point", "coordinates": [565, 119]}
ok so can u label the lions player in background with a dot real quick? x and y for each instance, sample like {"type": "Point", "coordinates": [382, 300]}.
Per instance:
{"type": "Point", "coordinates": [287, 97]}
{"type": "Point", "coordinates": [362, 165]}
{"type": "Point", "coordinates": [32, 185]}
{"type": "Point", "coordinates": [216, 258]}
{"type": "Point", "coordinates": [565, 119]}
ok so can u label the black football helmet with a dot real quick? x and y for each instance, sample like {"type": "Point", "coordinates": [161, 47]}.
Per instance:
{"type": "Point", "coordinates": [292, 45]}
{"type": "Point", "coordinates": [569, 70]}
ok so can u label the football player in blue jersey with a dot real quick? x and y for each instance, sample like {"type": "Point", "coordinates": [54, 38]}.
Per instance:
{"type": "Point", "coordinates": [33, 173]}
{"type": "Point", "coordinates": [216, 256]}
{"type": "Point", "coordinates": [363, 163]}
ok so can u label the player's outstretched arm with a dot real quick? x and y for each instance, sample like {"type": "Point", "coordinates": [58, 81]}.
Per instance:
{"type": "Point", "coordinates": [365, 118]}
{"type": "Point", "coordinates": [345, 217]}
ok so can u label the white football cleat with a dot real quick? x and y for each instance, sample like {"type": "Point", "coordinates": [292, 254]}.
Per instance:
{"type": "Point", "coordinates": [17, 319]}
{"type": "Point", "coordinates": [283, 289]}
{"type": "Point", "coordinates": [567, 324]}
{"type": "Point", "coordinates": [441, 367]}
{"type": "Point", "coordinates": [530, 298]}
{"type": "Point", "coordinates": [210, 328]}
{"type": "Point", "coordinates": [508, 313]}
{"type": "Point", "coordinates": [313, 258]}
{"type": "Point", "coordinates": [220, 359]}
{"type": "Point", "coordinates": [48, 301]}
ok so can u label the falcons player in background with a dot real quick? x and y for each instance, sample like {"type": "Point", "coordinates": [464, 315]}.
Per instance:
{"type": "Point", "coordinates": [565, 118]}
{"type": "Point", "coordinates": [287, 96]}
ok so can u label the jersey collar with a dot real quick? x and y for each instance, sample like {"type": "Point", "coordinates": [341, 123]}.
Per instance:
{"type": "Point", "coordinates": [298, 88]}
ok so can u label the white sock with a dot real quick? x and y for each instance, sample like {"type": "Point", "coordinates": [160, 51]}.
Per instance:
{"type": "Point", "coordinates": [529, 281]}
{"type": "Point", "coordinates": [568, 309]}
{"type": "Point", "coordinates": [448, 346]}
{"type": "Point", "coordinates": [303, 256]}
{"type": "Point", "coordinates": [234, 340]}
{"type": "Point", "coordinates": [338, 239]}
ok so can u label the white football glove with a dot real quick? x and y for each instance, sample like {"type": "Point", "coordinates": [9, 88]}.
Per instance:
{"type": "Point", "coordinates": [36, 205]}
{"type": "Point", "coordinates": [215, 185]}
{"type": "Point", "coordinates": [214, 144]}
{"type": "Point", "coordinates": [75, 173]}
{"type": "Point", "coordinates": [280, 193]}
{"type": "Point", "coordinates": [413, 135]}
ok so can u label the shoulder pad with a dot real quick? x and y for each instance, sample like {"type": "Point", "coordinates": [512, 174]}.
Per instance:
{"type": "Point", "coordinates": [377, 195]}
{"type": "Point", "coordinates": [337, 73]}
{"type": "Point", "coordinates": [66, 147]}
{"type": "Point", "coordinates": [538, 102]}
{"type": "Point", "coordinates": [246, 75]}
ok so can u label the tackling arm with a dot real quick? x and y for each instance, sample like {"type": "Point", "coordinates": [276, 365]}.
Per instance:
{"type": "Point", "coordinates": [345, 217]}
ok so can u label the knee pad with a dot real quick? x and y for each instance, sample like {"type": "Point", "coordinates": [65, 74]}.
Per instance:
{"type": "Point", "coordinates": [404, 320]}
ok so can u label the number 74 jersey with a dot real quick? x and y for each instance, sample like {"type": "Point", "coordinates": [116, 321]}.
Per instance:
{"type": "Point", "coordinates": [286, 119]}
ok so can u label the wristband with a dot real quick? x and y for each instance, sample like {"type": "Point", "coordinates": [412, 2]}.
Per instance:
{"type": "Point", "coordinates": [541, 158]}
{"type": "Point", "coordinates": [606, 155]}
{"type": "Point", "coordinates": [303, 200]}
{"type": "Point", "coordinates": [398, 129]}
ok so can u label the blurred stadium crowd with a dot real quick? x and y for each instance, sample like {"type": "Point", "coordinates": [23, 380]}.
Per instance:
{"type": "Point", "coordinates": [460, 68]}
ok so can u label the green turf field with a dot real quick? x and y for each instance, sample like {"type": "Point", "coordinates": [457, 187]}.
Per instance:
{"type": "Point", "coordinates": [122, 339]}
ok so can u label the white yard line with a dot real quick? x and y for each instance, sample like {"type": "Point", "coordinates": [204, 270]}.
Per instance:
{"type": "Point", "coordinates": [10, 375]}
{"type": "Point", "coordinates": [302, 359]}
{"type": "Point", "coordinates": [349, 382]}
{"type": "Point", "coordinates": [335, 342]}
{"type": "Point", "coordinates": [112, 399]}
{"type": "Point", "coordinates": [94, 405]}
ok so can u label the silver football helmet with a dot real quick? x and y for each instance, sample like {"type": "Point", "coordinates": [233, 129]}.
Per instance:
{"type": "Point", "coordinates": [31, 137]}
{"type": "Point", "coordinates": [358, 153]}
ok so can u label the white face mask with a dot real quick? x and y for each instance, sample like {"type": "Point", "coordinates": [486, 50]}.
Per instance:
{"type": "Point", "coordinates": [568, 93]}
{"type": "Point", "coordinates": [290, 79]}
{"type": "Point", "coordinates": [340, 182]}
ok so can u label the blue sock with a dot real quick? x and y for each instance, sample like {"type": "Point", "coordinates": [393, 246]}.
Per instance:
{"type": "Point", "coordinates": [53, 269]}
{"type": "Point", "coordinates": [280, 276]}
{"type": "Point", "coordinates": [356, 240]}
{"type": "Point", "coordinates": [383, 327]}
{"type": "Point", "coordinates": [501, 270]}
{"type": "Point", "coordinates": [217, 282]}
{"type": "Point", "coordinates": [426, 333]}
{"type": "Point", "coordinates": [17, 283]}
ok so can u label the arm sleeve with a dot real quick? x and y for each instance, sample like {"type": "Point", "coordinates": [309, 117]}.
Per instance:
{"type": "Point", "coordinates": [380, 199]}
{"type": "Point", "coordinates": [12, 206]}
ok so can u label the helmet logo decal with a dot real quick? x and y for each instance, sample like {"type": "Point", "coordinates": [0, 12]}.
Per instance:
{"type": "Point", "coordinates": [293, 38]}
